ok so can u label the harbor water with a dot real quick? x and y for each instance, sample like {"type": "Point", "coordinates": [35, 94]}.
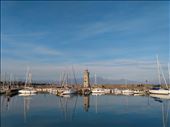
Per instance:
{"type": "Point", "coordinates": [47, 110]}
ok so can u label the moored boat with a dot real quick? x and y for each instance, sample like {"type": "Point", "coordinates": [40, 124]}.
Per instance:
{"type": "Point", "coordinates": [98, 90]}
{"type": "Point", "coordinates": [69, 91]}
{"type": "Point", "coordinates": [160, 74]}
{"type": "Point", "coordinates": [27, 90]}
{"type": "Point", "coordinates": [159, 91]}
{"type": "Point", "coordinates": [127, 92]}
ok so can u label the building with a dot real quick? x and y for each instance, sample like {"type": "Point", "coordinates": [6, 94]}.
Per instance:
{"type": "Point", "coordinates": [86, 79]}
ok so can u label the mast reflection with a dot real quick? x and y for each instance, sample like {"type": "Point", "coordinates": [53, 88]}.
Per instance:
{"type": "Point", "coordinates": [165, 111]}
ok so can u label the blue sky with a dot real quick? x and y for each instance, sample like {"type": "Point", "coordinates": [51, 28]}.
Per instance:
{"type": "Point", "coordinates": [113, 39]}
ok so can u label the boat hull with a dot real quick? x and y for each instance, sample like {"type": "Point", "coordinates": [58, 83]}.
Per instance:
{"type": "Point", "coordinates": [70, 91]}
{"type": "Point", "coordinates": [159, 91]}
{"type": "Point", "coordinates": [127, 92]}
{"type": "Point", "coordinates": [27, 91]}
{"type": "Point", "coordinates": [98, 90]}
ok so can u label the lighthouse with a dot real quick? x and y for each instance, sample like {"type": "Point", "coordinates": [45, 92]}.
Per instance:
{"type": "Point", "coordinates": [86, 80]}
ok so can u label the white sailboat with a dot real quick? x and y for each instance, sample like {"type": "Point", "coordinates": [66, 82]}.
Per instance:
{"type": "Point", "coordinates": [27, 90]}
{"type": "Point", "coordinates": [127, 91]}
{"type": "Point", "coordinates": [68, 90]}
{"type": "Point", "coordinates": [160, 90]}
{"type": "Point", "coordinates": [98, 90]}
{"type": "Point", "coordinates": [117, 91]}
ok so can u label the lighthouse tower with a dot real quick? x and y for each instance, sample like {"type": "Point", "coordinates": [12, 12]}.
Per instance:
{"type": "Point", "coordinates": [86, 80]}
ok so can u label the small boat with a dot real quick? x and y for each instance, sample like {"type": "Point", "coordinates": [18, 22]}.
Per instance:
{"type": "Point", "coordinates": [69, 91]}
{"type": "Point", "coordinates": [27, 90]}
{"type": "Point", "coordinates": [67, 88]}
{"type": "Point", "coordinates": [127, 92]}
{"type": "Point", "coordinates": [98, 90]}
{"type": "Point", "coordinates": [98, 94]}
{"type": "Point", "coordinates": [107, 91]}
{"type": "Point", "coordinates": [26, 94]}
{"type": "Point", "coordinates": [160, 90]}
{"type": "Point", "coordinates": [138, 93]}
{"type": "Point", "coordinates": [116, 91]}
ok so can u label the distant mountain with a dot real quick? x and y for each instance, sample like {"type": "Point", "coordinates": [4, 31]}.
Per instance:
{"type": "Point", "coordinates": [101, 80]}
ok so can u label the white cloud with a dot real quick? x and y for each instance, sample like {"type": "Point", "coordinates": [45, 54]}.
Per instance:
{"type": "Point", "coordinates": [46, 51]}
{"type": "Point", "coordinates": [32, 34]}
{"type": "Point", "coordinates": [29, 50]}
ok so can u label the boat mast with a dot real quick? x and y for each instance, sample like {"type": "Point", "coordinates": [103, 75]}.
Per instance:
{"type": "Point", "coordinates": [74, 75]}
{"type": "Point", "coordinates": [158, 66]}
{"type": "Point", "coordinates": [160, 70]}
{"type": "Point", "coordinates": [67, 80]}
{"type": "Point", "coordinates": [60, 79]}
{"type": "Point", "coordinates": [26, 76]}
{"type": "Point", "coordinates": [4, 83]}
{"type": "Point", "coordinates": [95, 79]}
{"type": "Point", "coordinates": [169, 72]}
{"type": "Point", "coordinates": [10, 78]}
{"type": "Point", "coordinates": [30, 78]}
{"type": "Point", "coordinates": [63, 80]}
{"type": "Point", "coordinates": [164, 77]}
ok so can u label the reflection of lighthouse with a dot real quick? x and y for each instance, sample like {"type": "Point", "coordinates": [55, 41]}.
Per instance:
{"type": "Point", "coordinates": [86, 103]}
{"type": "Point", "coordinates": [86, 80]}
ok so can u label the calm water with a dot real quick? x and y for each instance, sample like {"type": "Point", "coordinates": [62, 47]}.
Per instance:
{"type": "Point", "coordinates": [45, 110]}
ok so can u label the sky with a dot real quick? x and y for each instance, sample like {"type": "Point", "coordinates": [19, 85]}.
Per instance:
{"type": "Point", "coordinates": [113, 39]}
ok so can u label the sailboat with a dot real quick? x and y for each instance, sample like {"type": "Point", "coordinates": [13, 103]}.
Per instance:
{"type": "Point", "coordinates": [98, 90]}
{"type": "Point", "coordinates": [127, 91]}
{"type": "Point", "coordinates": [67, 89]}
{"type": "Point", "coordinates": [160, 90]}
{"type": "Point", "coordinates": [27, 90]}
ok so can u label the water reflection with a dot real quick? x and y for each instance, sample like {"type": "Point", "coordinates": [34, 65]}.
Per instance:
{"type": "Point", "coordinates": [26, 100]}
{"type": "Point", "coordinates": [68, 106]}
{"type": "Point", "coordinates": [165, 112]}
{"type": "Point", "coordinates": [6, 102]}
{"type": "Point", "coordinates": [73, 109]}
{"type": "Point", "coordinates": [86, 103]}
